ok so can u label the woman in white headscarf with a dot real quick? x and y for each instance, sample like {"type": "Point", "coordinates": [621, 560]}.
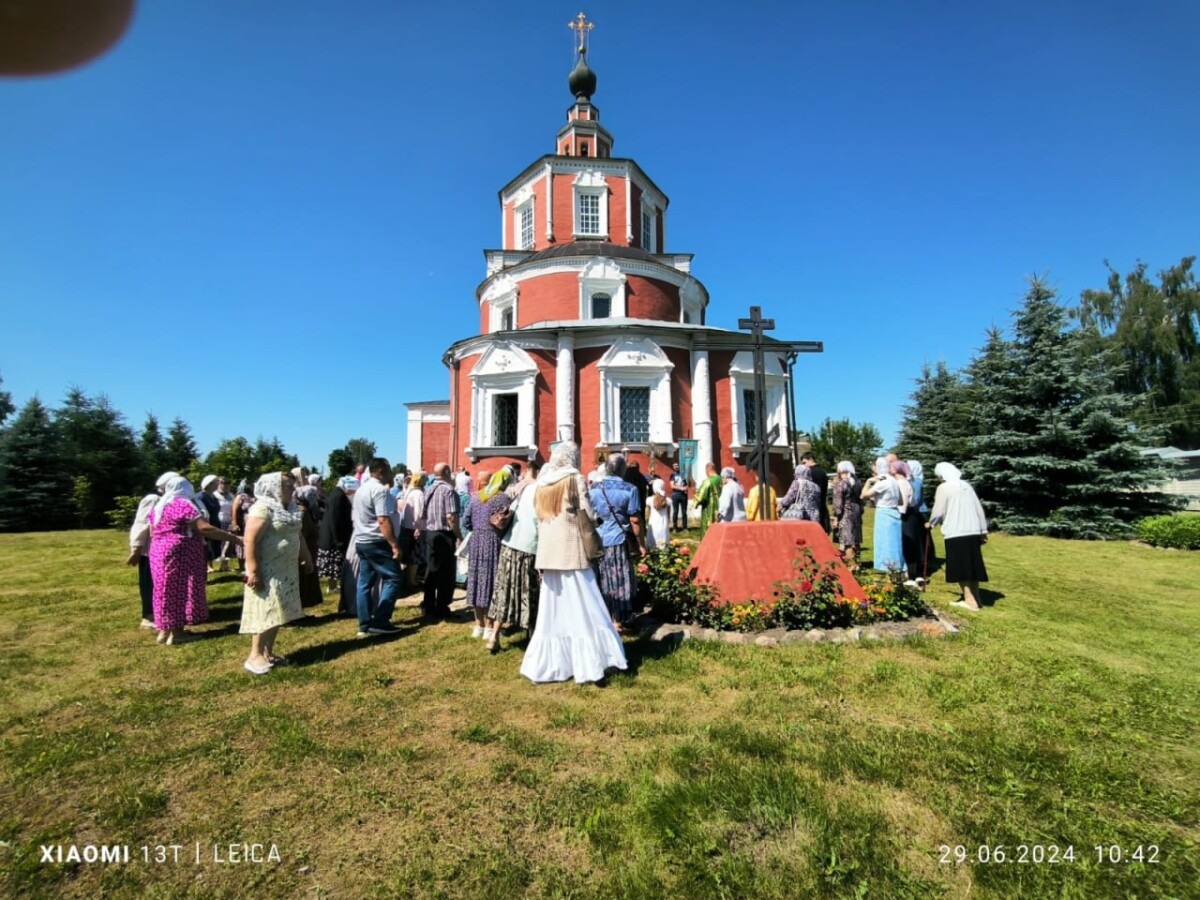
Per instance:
{"type": "Point", "coordinates": [177, 561]}
{"type": "Point", "coordinates": [275, 554]}
{"type": "Point", "coordinates": [888, 550]}
{"type": "Point", "coordinates": [575, 636]}
{"type": "Point", "coordinates": [658, 532]}
{"type": "Point", "coordinates": [847, 512]}
{"type": "Point", "coordinates": [964, 526]}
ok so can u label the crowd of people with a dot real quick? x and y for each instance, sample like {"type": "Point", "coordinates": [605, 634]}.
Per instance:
{"type": "Point", "coordinates": [545, 550]}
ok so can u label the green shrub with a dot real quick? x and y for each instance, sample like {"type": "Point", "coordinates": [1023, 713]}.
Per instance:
{"type": "Point", "coordinates": [1181, 532]}
{"type": "Point", "coordinates": [121, 516]}
{"type": "Point", "coordinates": [812, 598]}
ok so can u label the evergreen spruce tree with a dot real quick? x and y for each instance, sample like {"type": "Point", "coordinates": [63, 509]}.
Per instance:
{"type": "Point", "coordinates": [6, 405]}
{"type": "Point", "coordinates": [1055, 451]}
{"type": "Point", "coordinates": [181, 450]}
{"type": "Point", "coordinates": [936, 425]}
{"type": "Point", "coordinates": [100, 450]}
{"type": "Point", "coordinates": [153, 452]}
{"type": "Point", "coordinates": [35, 482]}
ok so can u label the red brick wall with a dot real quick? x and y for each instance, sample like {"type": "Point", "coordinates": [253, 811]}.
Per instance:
{"type": "Point", "coordinates": [681, 391]}
{"type": "Point", "coordinates": [548, 298]}
{"type": "Point", "coordinates": [587, 402]}
{"type": "Point", "coordinates": [435, 444]}
{"type": "Point", "coordinates": [564, 209]}
{"type": "Point", "coordinates": [546, 410]}
{"type": "Point", "coordinates": [647, 298]}
{"type": "Point", "coordinates": [616, 211]}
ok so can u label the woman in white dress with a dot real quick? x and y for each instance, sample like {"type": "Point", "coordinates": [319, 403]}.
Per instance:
{"type": "Point", "coordinates": [658, 535]}
{"type": "Point", "coordinates": [275, 553]}
{"type": "Point", "coordinates": [574, 637]}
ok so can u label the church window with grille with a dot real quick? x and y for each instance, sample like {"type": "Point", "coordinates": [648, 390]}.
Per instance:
{"type": "Point", "coordinates": [750, 407]}
{"type": "Point", "coordinates": [589, 214]}
{"type": "Point", "coordinates": [504, 420]}
{"type": "Point", "coordinates": [647, 232]}
{"type": "Point", "coordinates": [635, 414]}
{"type": "Point", "coordinates": [601, 306]}
{"type": "Point", "coordinates": [506, 319]}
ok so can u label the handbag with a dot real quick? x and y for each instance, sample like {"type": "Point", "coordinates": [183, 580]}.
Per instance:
{"type": "Point", "coordinates": [593, 546]}
{"type": "Point", "coordinates": [501, 521]}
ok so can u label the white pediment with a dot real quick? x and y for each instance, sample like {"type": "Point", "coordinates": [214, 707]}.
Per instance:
{"type": "Point", "coordinates": [590, 178]}
{"type": "Point", "coordinates": [744, 362]}
{"type": "Point", "coordinates": [504, 358]}
{"type": "Point", "coordinates": [602, 269]}
{"type": "Point", "coordinates": [635, 353]}
{"type": "Point", "coordinates": [503, 286]}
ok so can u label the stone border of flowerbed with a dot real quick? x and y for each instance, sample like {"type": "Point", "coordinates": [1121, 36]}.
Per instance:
{"type": "Point", "coordinates": [935, 625]}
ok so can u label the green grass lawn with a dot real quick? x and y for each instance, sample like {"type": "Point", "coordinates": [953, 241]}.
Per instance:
{"type": "Point", "coordinates": [1066, 714]}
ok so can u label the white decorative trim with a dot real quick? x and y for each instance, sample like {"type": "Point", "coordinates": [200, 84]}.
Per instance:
{"type": "Point", "coordinates": [636, 362]}
{"type": "Point", "coordinates": [504, 368]}
{"type": "Point", "coordinates": [591, 183]}
{"type": "Point", "coordinates": [741, 378]}
{"type": "Point", "coordinates": [602, 275]}
{"type": "Point", "coordinates": [501, 295]}
{"type": "Point", "coordinates": [628, 211]}
{"type": "Point", "coordinates": [691, 303]}
{"type": "Point", "coordinates": [549, 202]}
{"type": "Point", "coordinates": [574, 264]}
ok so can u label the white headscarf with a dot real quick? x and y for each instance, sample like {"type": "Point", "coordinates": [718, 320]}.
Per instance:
{"type": "Point", "coordinates": [947, 472]}
{"type": "Point", "coordinates": [268, 490]}
{"type": "Point", "coordinates": [883, 468]}
{"type": "Point", "coordinates": [916, 469]}
{"type": "Point", "coordinates": [659, 488]}
{"type": "Point", "coordinates": [846, 466]}
{"type": "Point", "coordinates": [315, 480]}
{"type": "Point", "coordinates": [164, 478]}
{"type": "Point", "coordinates": [178, 488]}
{"type": "Point", "coordinates": [563, 463]}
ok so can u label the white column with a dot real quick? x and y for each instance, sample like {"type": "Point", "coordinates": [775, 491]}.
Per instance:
{"type": "Point", "coordinates": [414, 441]}
{"type": "Point", "coordinates": [564, 389]}
{"type": "Point", "coordinates": [549, 203]}
{"type": "Point", "coordinates": [527, 436]}
{"type": "Point", "coordinates": [701, 413]}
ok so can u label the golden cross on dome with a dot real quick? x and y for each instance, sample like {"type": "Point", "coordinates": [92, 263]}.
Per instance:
{"type": "Point", "coordinates": [582, 26]}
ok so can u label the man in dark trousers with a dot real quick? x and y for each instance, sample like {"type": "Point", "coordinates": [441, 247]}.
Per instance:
{"type": "Point", "coordinates": [441, 536]}
{"type": "Point", "coordinates": [821, 479]}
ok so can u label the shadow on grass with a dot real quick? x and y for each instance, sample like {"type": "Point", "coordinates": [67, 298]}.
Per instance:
{"type": "Point", "coordinates": [331, 650]}
{"type": "Point", "coordinates": [989, 598]}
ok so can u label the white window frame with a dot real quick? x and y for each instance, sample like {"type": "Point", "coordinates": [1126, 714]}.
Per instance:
{"type": "Point", "coordinates": [649, 227]}
{"type": "Point", "coordinates": [519, 214]}
{"type": "Point", "coordinates": [741, 378]}
{"type": "Point", "coordinates": [636, 363]}
{"type": "Point", "coordinates": [504, 368]}
{"type": "Point", "coordinates": [591, 183]}
{"type": "Point", "coordinates": [602, 275]}
{"type": "Point", "coordinates": [501, 295]}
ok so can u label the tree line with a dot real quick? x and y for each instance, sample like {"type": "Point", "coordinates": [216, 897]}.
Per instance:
{"type": "Point", "coordinates": [1050, 419]}
{"type": "Point", "coordinates": [81, 465]}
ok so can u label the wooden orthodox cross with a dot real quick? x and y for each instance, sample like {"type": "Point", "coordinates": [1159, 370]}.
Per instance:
{"type": "Point", "coordinates": [756, 325]}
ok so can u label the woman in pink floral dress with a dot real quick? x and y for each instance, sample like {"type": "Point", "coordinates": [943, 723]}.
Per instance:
{"type": "Point", "coordinates": [177, 561]}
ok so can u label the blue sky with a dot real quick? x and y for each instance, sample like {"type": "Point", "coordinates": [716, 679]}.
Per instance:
{"type": "Point", "coordinates": [268, 218]}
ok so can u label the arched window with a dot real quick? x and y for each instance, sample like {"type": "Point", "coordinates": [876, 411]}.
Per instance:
{"type": "Point", "coordinates": [601, 306]}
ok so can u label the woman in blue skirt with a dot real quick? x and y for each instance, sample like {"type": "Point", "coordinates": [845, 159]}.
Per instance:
{"type": "Point", "coordinates": [883, 489]}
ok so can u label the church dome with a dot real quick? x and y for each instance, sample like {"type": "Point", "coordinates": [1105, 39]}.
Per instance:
{"type": "Point", "coordinates": [582, 80]}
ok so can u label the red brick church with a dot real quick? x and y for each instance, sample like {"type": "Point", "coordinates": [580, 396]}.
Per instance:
{"type": "Point", "coordinates": [591, 330]}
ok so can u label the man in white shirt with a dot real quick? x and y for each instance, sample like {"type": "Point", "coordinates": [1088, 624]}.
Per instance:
{"type": "Point", "coordinates": [378, 548]}
{"type": "Point", "coordinates": [462, 481]}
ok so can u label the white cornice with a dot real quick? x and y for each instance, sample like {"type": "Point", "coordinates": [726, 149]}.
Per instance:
{"type": "Point", "coordinates": [560, 265]}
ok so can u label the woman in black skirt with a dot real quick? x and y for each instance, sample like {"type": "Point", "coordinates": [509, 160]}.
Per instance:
{"type": "Point", "coordinates": [964, 526]}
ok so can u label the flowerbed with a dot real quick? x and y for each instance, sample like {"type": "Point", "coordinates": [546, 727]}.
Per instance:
{"type": "Point", "coordinates": [812, 598]}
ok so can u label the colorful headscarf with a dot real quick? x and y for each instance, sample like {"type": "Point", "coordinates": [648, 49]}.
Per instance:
{"type": "Point", "coordinates": [498, 483]}
{"type": "Point", "coordinates": [900, 467]}
{"type": "Point", "coordinates": [349, 484]}
{"type": "Point", "coordinates": [802, 473]}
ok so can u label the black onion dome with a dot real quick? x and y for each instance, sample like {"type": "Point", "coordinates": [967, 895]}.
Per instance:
{"type": "Point", "coordinates": [582, 80]}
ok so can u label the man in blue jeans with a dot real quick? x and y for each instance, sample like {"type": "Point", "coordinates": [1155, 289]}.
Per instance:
{"type": "Point", "coordinates": [378, 549]}
{"type": "Point", "coordinates": [679, 489]}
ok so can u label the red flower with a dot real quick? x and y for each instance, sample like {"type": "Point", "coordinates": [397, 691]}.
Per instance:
{"type": "Point", "coordinates": [806, 587]}
{"type": "Point", "coordinates": [642, 569]}
{"type": "Point", "coordinates": [801, 542]}
{"type": "Point", "coordinates": [685, 551]}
